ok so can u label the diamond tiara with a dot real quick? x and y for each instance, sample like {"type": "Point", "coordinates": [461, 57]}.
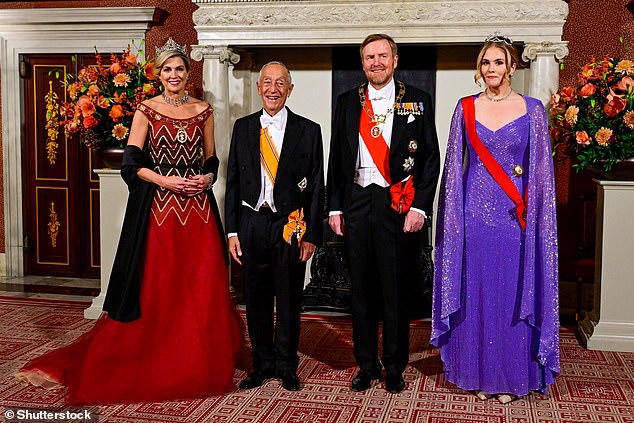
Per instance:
{"type": "Point", "coordinates": [172, 45]}
{"type": "Point", "coordinates": [498, 37]}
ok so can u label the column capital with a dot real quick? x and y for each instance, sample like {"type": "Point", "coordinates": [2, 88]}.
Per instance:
{"type": "Point", "coordinates": [222, 54]}
{"type": "Point", "coordinates": [545, 48]}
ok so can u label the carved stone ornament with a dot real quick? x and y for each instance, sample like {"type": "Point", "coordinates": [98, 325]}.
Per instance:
{"type": "Point", "coordinates": [223, 54]}
{"type": "Point", "coordinates": [532, 50]}
{"type": "Point", "coordinates": [262, 13]}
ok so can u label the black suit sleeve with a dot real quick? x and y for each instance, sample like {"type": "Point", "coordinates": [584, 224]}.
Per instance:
{"type": "Point", "coordinates": [232, 197]}
{"type": "Point", "coordinates": [427, 159]}
{"type": "Point", "coordinates": [314, 197]}
{"type": "Point", "coordinates": [335, 186]}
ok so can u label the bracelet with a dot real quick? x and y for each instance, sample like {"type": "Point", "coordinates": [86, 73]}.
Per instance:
{"type": "Point", "coordinates": [211, 180]}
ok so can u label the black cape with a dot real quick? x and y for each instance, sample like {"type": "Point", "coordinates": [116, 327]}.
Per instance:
{"type": "Point", "coordinates": [122, 301]}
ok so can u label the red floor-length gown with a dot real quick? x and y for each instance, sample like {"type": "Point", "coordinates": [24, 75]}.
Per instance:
{"type": "Point", "coordinates": [186, 341]}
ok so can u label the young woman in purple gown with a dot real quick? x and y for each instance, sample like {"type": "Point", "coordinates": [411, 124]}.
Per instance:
{"type": "Point", "coordinates": [495, 311]}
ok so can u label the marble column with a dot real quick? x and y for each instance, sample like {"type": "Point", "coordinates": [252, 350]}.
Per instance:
{"type": "Point", "coordinates": [216, 91]}
{"type": "Point", "coordinates": [544, 61]}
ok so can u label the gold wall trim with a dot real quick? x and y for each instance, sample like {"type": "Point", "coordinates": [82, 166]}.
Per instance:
{"type": "Point", "coordinates": [37, 227]}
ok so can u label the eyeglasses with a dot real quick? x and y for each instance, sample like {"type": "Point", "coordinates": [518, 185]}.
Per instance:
{"type": "Point", "coordinates": [497, 37]}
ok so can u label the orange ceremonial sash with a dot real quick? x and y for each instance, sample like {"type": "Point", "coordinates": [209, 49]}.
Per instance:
{"type": "Point", "coordinates": [269, 157]}
{"type": "Point", "coordinates": [379, 151]}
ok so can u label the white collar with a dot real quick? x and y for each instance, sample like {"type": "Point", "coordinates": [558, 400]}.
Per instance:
{"type": "Point", "coordinates": [278, 121]}
{"type": "Point", "coordinates": [386, 92]}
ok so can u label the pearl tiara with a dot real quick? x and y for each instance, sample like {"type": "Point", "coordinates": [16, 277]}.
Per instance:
{"type": "Point", "coordinates": [172, 45]}
{"type": "Point", "coordinates": [498, 37]}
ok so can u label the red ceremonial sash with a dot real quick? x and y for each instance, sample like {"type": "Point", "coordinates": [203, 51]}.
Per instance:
{"type": "Point", "coordinates": [379, 151]}
{"type": "Point", "coordinates": [494, 168]}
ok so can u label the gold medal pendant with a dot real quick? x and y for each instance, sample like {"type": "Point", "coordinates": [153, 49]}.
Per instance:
{"type": "Point", "coordinates": [181, 136]}
{"type": "Point", "coordinates": [376, 131]}
{"type": "Point", "coordinates": [518, 170]}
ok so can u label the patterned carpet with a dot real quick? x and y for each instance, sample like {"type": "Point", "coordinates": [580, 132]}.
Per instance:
{"type": "Point", "coordinates": [595, 386]}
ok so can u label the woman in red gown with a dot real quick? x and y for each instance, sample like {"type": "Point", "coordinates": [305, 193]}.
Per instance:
{"type": "Point", "coordinates": [169, 330]}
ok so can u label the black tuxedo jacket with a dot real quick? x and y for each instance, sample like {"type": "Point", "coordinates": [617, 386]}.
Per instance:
{"type": "Point", "coordinates": [344, 148]}
{"type": "Point", "coordinates": [301, 160]}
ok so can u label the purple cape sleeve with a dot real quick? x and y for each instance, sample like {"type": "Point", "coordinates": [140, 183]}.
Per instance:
{"type": "Point", "coordinates": [539, 298]}
{"type": "Point", "coordinates": [449, 234]}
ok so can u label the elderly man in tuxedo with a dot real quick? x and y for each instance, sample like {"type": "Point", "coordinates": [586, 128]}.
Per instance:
{"type": "Point", "coordinates": [382, 175]}
{"type": "Point", "coordinates": [273, 218]}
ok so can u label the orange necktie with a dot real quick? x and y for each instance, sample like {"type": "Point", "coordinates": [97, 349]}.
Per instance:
{"type": "Point", "coordinates": [269, 156]}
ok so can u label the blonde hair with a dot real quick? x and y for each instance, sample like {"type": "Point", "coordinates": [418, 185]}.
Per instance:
{"type": "Point", "coordinates": [510, 54]}
{"type": "Point", "coordinates": [164, 56]}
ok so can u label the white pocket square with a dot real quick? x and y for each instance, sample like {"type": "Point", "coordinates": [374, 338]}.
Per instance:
{"type": "Point", "coordinates": [410, 118]}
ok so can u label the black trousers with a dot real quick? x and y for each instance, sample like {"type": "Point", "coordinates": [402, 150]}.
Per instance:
{"type": "Point", "coordinates": [273, 277]}
{"type": "Point", "coordinates": [381, 258]}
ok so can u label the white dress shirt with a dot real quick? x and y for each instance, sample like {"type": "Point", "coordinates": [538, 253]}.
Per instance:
{"type": "Point", "coordinates": [383, 99]}
{"type": "Point", "coordinates": [277, 127]}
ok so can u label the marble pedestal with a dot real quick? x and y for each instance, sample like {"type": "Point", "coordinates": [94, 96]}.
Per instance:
{"type": "Point", "coordinates": [113, 195]}
{"type": "Point", "coordinates": [610, 324]}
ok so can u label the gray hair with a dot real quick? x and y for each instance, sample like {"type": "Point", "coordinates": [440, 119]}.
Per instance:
{"type": "Point", "coordinates": [277, 62]}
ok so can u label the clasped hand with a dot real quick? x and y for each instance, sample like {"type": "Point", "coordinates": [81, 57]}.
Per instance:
{"type": "Point", "coordinates": [189, 186]}
{"type": "Point", "coordinates": [414, 222]}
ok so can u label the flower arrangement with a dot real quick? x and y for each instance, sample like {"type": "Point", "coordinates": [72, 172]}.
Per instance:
{"type": "Point", "coordinates": [103, 99]}
{"type": "Point", "coordinates": [594, 122]}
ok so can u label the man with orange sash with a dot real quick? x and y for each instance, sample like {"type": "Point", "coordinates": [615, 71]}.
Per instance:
{"type": "Point", "coordinates": [382, 176]}
{"type": "Point", "coordinates": [274, 220]}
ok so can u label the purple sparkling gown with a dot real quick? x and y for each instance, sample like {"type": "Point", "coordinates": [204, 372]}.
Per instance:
{"type": "Point", "coordinates": [495, 309]}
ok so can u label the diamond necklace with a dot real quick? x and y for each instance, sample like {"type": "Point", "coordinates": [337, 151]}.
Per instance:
{"type": "Point", "coordinates": [175, 101]}
{"type": "Point", "coordinates": [496, 99]}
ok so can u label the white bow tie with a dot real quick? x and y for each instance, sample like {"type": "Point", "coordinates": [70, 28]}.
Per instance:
{"type": "Point", "coordinates": [275, 121]}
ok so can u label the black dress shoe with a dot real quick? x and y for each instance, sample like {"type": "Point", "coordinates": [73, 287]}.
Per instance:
{"type": "Point", "coordinates": [394, 382]}
{"type": "Point", "coordinates": [290, 381]}
{"type": "Point", "coordinates": [362, 380]}
{"type": "Point", "coordinates": [256, 378]}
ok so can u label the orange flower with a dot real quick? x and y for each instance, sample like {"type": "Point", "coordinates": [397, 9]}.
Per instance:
{"type": "Point", "coordinates": [567, 93]}
{"type": "Point", "coordinates": [93, 90]}
{"type": "Point", "coordinates": [120, 132]}
{"type": "Point", "coordinates": [74, 89]}
{"type": "Point", "coordinates": [131, 58]}
{"type": "Point", "coordinates": [103, 102]}
{"type": "Point", "coordinates": [121, 80]}
{"type": "Point", "coordinates": [87, 75]}
{"type": "Point", "coordinates": [116, 112]}
{"type": "Point", "coordinates": [72, 126]}
{"type": "Point", "coordinates": [86, 106]}
{"type": "Point", "coordinates": [628, 119]}
{"type": "Point", "coordinates": [571, 115]}
{"type": "Point", "coordinates": [615, 106]}
{"type": "Point", "coordinates": [115, 68]}
{"type": "Point", "coordinates": [624, 85]}
{"type": "Point", "coordinates": [587, 90]}
{"type": "Point", "coordinates": [554, 100]}
{"type": "Point", "coordinates": [148, 71]}
{"type": "Point", "coordinates": [582, 138]}
{"type": "Point", "coordinates": [90, 122]}
{"type": "Point", "coordinates": [604, 136]}
{"type": "Point", "coordinates": [589, 72]}
{"type": "Point", "coordinates": [624, 66]}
